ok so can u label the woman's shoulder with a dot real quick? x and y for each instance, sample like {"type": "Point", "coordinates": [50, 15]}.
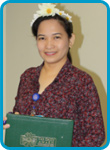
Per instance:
{"type": "Point", "coordinates": [80, 74]}
{"type": "Point", "coordinates": [30, 71]}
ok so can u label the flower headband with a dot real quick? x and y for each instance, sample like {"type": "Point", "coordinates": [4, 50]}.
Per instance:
{"type": "Point", "coordinates": [48, 9]}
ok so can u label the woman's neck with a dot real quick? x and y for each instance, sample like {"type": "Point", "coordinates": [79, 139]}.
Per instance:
{"type": "Point", "coordinates": [53, 68]}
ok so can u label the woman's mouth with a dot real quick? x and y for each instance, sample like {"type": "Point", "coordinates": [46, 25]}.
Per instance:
{"type": "Point", "coordinates": [50, 53]}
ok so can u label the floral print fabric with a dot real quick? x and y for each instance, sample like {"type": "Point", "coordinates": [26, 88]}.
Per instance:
{"type": "Point", "coordinates": [71, 95]}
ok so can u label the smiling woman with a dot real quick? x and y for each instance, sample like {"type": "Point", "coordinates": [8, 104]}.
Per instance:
{"type": "Point", "coordinates": [63, 91]}
{"type": "Point", "coordinates": [53, 42]}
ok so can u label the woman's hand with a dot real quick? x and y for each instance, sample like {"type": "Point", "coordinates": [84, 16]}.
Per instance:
{"type": "Point", "coordinates": [6, 126]}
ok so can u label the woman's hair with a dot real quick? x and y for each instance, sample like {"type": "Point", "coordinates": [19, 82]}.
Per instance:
{"type": "Point", "coordinates": [65, 23]}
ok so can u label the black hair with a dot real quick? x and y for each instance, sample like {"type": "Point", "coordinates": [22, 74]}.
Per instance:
{"type": "Point", "coordinates": [65, 23]}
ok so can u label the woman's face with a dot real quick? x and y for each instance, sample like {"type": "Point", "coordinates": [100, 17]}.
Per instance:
{"type": "Point", "coordinates": [52, 41]}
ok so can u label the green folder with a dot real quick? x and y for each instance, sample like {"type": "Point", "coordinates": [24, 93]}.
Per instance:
{"type": "Point", "coordinates": [32, 131]}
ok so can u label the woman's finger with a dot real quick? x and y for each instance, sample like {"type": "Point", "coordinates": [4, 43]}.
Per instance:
{"type": "Point", "coordinates": [4, 118]}
{"type": "Point", "coordinates": [6, 126]}
{"type": "Point", "coordinates": [16, 113]}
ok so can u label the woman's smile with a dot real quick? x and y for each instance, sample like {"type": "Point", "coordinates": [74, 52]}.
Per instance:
{"type": "Point", "coordinates": [50, 53]}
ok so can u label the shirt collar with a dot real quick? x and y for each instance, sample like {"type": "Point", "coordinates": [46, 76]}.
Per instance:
{"type": "Point", "coordinates": [62, 73]}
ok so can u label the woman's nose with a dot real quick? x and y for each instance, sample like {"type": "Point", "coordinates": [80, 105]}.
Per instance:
{"type": "Point", "coordinates": [49, 44]}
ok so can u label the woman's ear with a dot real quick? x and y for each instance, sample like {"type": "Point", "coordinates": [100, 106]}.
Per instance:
{"type": "Point", "coordinates": [72, 40]}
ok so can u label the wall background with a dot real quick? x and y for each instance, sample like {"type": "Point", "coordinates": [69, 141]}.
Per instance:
{"type": "Point", "coordinates": [89, 52]}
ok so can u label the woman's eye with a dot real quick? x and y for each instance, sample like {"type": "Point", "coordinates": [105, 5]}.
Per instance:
{"type": "Point", "coordinates": [41, 38]}
{"type": "Point", "coordinates": [57, 37]}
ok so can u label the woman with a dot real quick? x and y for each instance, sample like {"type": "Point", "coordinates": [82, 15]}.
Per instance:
{"type": "Point", "coordinates": [62, 90]}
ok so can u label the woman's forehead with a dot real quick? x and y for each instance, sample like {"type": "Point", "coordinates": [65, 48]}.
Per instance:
{"type": "Point", "coordinates": [51, 25]}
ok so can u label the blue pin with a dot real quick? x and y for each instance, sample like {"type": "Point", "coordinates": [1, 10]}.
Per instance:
{"type": "Point", "coordinates": [35, 97]}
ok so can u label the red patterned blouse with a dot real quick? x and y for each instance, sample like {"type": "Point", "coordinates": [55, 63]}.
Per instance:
{"type": "Point", "coordinates": [71, 95]}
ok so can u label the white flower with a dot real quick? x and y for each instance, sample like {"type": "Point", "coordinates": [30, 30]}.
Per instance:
{"type": "Point", "coordinates": [47, 9]}
{"type": "Point", "coordinates": [36, 16]}
{"type": "Point", "coordinates": [61, 13]}
{"type": "Point", "coordinates": [67, 17]}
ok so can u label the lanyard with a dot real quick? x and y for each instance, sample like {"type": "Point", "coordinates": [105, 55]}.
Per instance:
{"type": "Point", "coordinates": [35, 98]}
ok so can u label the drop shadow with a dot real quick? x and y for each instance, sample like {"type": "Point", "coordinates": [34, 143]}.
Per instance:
{"type": "Point", "coordinates": [76, 62]}
{"type": "Point", "coordinates": [79, 37]}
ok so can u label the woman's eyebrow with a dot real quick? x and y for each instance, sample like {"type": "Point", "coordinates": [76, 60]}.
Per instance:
{"type": "Point", "coordinates": [57, 33]}
{"type": "Point", "coordinates": [40, 35]}
{"type": "Point", "coordinates": [52, 34]}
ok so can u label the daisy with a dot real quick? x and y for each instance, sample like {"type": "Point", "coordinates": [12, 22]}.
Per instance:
{"type": "Point", "coordinates": [68, 17]}
{"type": "Point", "coordinates": [36, 16]}
{"type": "Point", "coordinates": [47, 9]}
{"type": "Point", "coordinates": [61, 13]}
